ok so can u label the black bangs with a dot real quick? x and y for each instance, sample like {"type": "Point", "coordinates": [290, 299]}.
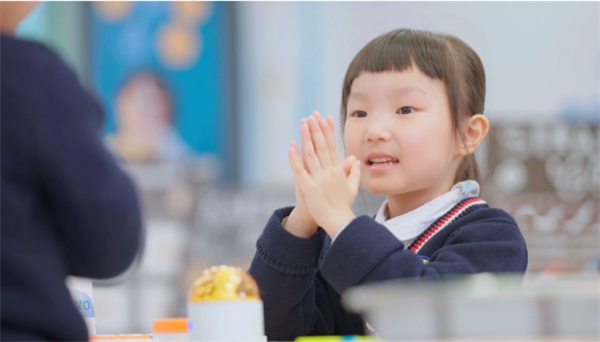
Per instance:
{"type": "Point", "coordinates": [401, 50]}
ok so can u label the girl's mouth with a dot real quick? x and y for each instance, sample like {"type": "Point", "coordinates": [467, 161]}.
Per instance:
{"type": "Point", "coordinates": [382, 161]}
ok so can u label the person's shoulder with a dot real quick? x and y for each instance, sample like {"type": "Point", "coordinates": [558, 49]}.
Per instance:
{"type": "Point", "coordinates": [28, 57]}
{"type": "Point", "coordinates": [36, 67]}
{"type": "Point", "coordinates": [488, 214]}
{"type": "Point", "coordinates": [34, 64]}
{"type": "Point", "coordinates": [492, 223]}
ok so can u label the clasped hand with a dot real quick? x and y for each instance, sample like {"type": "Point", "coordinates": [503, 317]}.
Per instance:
{"type": "Point", "coordinates": [325, 187]}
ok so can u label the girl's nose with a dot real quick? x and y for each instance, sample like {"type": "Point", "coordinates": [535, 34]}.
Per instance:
{"type": "Point", "coordinates": [377, 131]}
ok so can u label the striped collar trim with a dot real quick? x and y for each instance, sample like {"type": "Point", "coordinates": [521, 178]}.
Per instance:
{"type": "Point", "coordinates": [463, 206]}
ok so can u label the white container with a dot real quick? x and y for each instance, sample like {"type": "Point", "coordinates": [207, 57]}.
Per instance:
{"type": "Point", "coordinates": [482, 306]}
{"type": "Point", "coordinates": [227, 320]}
{"type": "Point", "coordinates": [224, 305]}
{"type": "Point", "coordinates": [83, 297]}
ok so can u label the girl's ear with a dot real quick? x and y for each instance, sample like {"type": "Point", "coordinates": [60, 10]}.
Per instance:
{"type": "Point", "coordinates": [476, 128]}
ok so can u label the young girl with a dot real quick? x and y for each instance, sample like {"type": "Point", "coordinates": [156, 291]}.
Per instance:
{"type": "Point", "coordinates": [412, 104]}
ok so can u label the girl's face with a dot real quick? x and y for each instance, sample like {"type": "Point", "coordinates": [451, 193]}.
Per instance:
{"type": "Point", "coordinates": [398, 124]}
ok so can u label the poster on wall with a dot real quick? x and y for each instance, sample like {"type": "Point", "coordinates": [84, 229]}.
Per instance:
{"type": "Point", "coordinates": [162, 71]}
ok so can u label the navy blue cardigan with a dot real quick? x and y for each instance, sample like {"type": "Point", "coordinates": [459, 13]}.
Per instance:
{"type": "Point", "coordinates": [67, 207]}
{"type": "Point", "coordinates": [300, 280]}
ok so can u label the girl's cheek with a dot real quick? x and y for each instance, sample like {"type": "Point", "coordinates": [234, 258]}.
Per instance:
{"type": "Point", "coordinates": [351, 143]}
{"type": "Point", "coordinates": [416, 140]}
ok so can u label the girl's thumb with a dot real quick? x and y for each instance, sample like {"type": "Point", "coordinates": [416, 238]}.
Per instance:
{"type": "Point", "coordinates": [347, 164]}
{"type": "Point", "coordinates": [354, 176]}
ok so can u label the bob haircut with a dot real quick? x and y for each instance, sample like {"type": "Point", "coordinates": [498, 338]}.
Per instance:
{"type": "Point", "coordinates": [442, 57]}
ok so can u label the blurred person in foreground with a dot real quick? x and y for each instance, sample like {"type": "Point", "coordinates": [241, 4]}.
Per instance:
{"type": "Point", "coordinates": [67, 207]}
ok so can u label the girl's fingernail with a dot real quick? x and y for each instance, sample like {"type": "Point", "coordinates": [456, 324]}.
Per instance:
{"type": "Point", "coordinates": [324, 122]}
{"type": "Point", "coordinates": [312, 119]}
{"type": "Point", "coordinates": [304, 127]}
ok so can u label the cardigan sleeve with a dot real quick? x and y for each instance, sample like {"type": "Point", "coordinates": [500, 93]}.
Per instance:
{"type": "Point", "coordinates": [298, 301]}
{"type": "Point", "coordinates": [95, 205]}
{"type": "Point", "coordinates": [367, 252]}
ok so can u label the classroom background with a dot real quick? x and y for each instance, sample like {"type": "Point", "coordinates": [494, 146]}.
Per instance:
{"type": "Point", "coordinates": [202, 99]}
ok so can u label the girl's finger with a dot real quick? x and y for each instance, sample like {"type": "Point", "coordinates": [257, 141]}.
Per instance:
{"type": "Point", "coordinates": [354, 176]}
{"type": "Point", "coordinates": [302, 122]}
{"type": "Point", "coordinates": [347, 164]}
{"type": "Point", "coordinates": [295, 159]}
{"type": "Point", "coordinates": [308, 151]}
{"type": "Point", "coordinates": [317, 115]}
{"type": "Point", "coordinates": [331, 123]}
{"type": "Point", "coordinates": [297, 167]}
{"type": "Point", "coordinates": [330, 140]}
{"type": "Point", "coordinates": [294, 145]}
{"type": "Point", "coordinates": [319, 142]}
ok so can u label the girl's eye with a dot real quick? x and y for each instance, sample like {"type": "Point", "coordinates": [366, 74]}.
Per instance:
{"type": "Point", "coordinates": [406, 110]}
{"type": "Point", "coordinates": [359, 114]}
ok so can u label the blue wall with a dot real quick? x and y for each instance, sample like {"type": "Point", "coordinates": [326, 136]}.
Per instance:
{"type": "Point", "coordinates": [121, 47]}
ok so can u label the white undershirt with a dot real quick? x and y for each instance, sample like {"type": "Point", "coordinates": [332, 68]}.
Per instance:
{"type": "Point", "coordinates": [409, 226]}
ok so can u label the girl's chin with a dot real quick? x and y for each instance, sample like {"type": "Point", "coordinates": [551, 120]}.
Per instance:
{"type": "Point", "coordinates": [381, 189]}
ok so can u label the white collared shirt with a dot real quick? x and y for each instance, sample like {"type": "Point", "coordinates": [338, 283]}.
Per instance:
{"type": "Point", "coordinates": [409, 226]}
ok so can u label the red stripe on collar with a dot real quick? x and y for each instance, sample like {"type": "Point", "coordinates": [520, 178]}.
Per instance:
{"type": "Point", "coordinates": [444, 221]}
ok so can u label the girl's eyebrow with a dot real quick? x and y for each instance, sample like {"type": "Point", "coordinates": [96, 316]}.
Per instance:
{"type": "Point", "coordinates": [395, 92]}
{"type": "Point", "coordinates": [404, 90]}
{"type": "Point", "coordinates": [358, 96]}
